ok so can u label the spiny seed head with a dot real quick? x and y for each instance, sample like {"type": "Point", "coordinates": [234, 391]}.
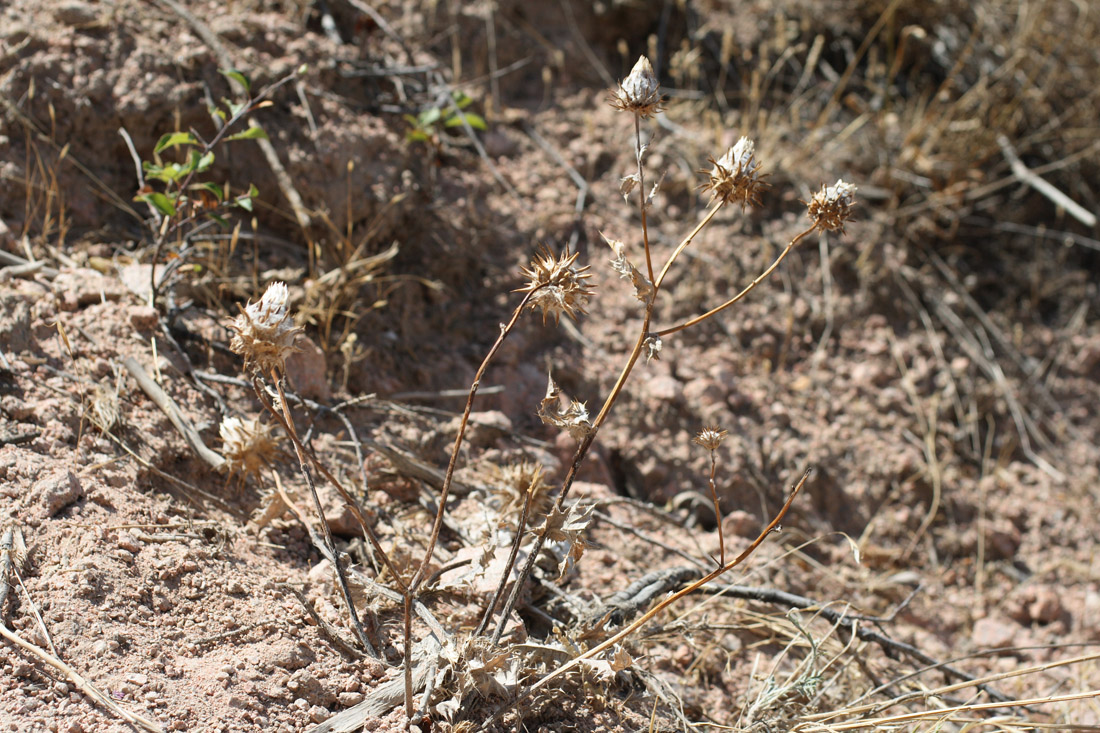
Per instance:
{"type": "Point", "coordinates": [249, 445]}
{"type": "Point", "coordinates": [514, 482]}
{"type": "Point", "coordinates": [735, 177]}
{"type": "Point", "coordinates": [710, 438]}
{"type": "Point", "coordinates": [639, 92]}
{"type": "Point", "coordinates": [830, 207]}
{"type": "Point", "coordinates": [265, 332]}
{"type": "Point", "coordinates": [557, 285]}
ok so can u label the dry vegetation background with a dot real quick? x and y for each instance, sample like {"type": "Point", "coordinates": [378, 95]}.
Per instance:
{"type": "Point", "coordinates": [938, 364]}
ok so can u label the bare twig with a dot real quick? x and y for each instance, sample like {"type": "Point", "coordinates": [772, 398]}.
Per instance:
{"type": "Point", "coordinates": [1027, 177]}
{"type": "Point", "coordinates": [82, 684]}
{"type": "Point", "coordinates": [167, 405]}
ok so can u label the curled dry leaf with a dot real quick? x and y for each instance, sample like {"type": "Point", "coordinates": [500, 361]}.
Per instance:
{"type": "Point", "coordinates": [573, 418]}
{"type": "Point", "coordinates": [567, 527]}
{"type": "Point", "coordinates": [643, 288]}
{"type": "Point", "coordinates": [652, 346]}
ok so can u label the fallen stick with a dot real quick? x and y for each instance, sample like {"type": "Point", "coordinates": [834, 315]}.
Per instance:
{"type": "Point", "coordinates": [168, 406]}
{"type": "Point", "coordinates": [1025, 176]}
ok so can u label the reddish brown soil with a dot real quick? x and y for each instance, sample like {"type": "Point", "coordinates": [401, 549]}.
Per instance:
{"type": "Point", "coordinates": [938, 364]}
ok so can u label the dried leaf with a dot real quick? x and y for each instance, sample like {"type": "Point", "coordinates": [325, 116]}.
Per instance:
{"type": "Point", "coordinates": [573, 418]}
{"type": "Point", "coordinates": [643, 288]}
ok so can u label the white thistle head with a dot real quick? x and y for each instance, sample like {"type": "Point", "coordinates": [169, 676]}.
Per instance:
{"type": "Point", "coordinates": [265, 332]}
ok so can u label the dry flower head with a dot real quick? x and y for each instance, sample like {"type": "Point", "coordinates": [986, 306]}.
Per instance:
{"type": "Point", "coordinates": [514, 482]}
{"type": "Point", "coordinates": [639, 92]}
{"type": "Point", "coordinates": [248, 445]}
{"type": "Point", "coordinates": [265, 332]}
{"type": "Point", "coordinates": [735, 177]}
{"type": "Point", "coordinates": [710, 438]}
{"type": "Point", "coordinates": [557, 285]}
{"type": "Point", "coordinates": [830, 207]}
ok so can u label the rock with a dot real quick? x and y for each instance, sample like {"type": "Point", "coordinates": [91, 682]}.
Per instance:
{"type": "Point", "coordinates": [143, 318]}
{"type": "Point", "coordinates": [83, 286]}
{"type": "Point", "coordinates": [1045, 606]}
{"type": "Point", "coordinates": [57, 491]}
{"type": "Point", "coordinates": [993, 633]}
{"type": "Point", "coordinates": [75, 13]}
{"type": "Point", "coordinates": [15, 324]}
{"type": "Point", "coordinates": [485, 428]}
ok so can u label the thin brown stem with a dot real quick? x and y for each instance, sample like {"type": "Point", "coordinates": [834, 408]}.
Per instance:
{"type": "Point", "coordinates": [641, 196]}
{"type": "Point", "coordinates": [749, 288]}
{"type": "Point", "coordinates": [418, 578]}
{"type": "Point", "coordinates": [330, 545]}
{"type": "Point", "coordinates": [521, 527]}
{"type": "Point", "coordinates": [409, 592]}
{"type": "Point", "coordinates": [348, 498]}
{"type": "Point", "coordinates": [578, 458]}
{"type": "Point", "coordinates": [714, 209]}
{"type": "Point", "coordinates": [717, 508]}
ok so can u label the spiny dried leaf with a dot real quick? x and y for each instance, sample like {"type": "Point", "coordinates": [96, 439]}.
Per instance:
{"type": "Point", "coordinates": [573, 418]}
{"type": "Point", "coordinates": [652, 346]}
{"type": "Point", "coordinates": [567, 527]}
{"type": "Point", "coordinates": [643, 288]}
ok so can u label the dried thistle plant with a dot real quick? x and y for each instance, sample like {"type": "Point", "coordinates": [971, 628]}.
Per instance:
{"type": "Point", "coordinates": [830, 207]}
{"type": "Point", "coordinates": [735, 177]}
{"type": "Point", "coordinates": [516, 484]}
{"type": "Point", "coordinates": [249, 446]}
{"type": "Point", "coordinates": [264, 332]}
{"type": "Point", "coordinates": [710, 439]}
{"type": "Point", "coordinates": [639, 93]}
{"type": "Point", "coordinates": [556, 285]}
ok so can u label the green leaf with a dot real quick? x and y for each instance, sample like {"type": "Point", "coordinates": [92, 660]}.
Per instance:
{"type": "Point", "coordinates": [172, 139]}
{"type": "Point", "coordinates": [237, 76]}
{"type": "Point", "coordinates": [253, 133]}
{"type": "Point", "coordinates": [416, 136]}
{"type": "Point", "coordinates": [461, 99]}
{"type": "Point", "coordinates": [160, 202]}
{"type": "Point", "coordinates": [205, 162]}
{"type": "Point", "coordinates": [213, 188]}
{"type": "Point", "coordinates": [430, 116]}
{"type": "Point", "coordinates": [245, 201]}
{"type": "Point", "coordinates": [234, 108]}
{"type": "Point", "coordinates": [476, 121]}
{"type": "Point", "coordinates": [222, 222]}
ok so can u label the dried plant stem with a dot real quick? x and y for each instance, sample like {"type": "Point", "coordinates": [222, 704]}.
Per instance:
{"type": "Point", "coordinates": [666, 602]}
{"type": "Point", "coordinates": [521, 527]}
{"type": "Point", "coordinates": [81, 683]}
{"type": "Point", "coordinates": [714, 209]}
{"type": "Point", "coordinates": [641, 196]}
{"type": "Point", "coordinates": [717, 508]}
{"type": "Point", "coordinates": [330, 545]}
{"type": "Point", "coordinates": [749, 288]}
{"type": "Point", "coordinates": [350, 500]}
{"type": "Point", "coordinates": [586, 442]}
{"type": "Point", "coordinates": [409, 591]}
